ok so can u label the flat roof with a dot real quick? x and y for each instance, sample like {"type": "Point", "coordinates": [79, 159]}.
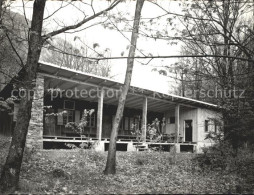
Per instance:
{"type": "Point", "coordinates": [69, 78]}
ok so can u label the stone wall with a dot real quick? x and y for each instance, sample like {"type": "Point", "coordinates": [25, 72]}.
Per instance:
{"type": "Point", "coordinates": [35, 129]}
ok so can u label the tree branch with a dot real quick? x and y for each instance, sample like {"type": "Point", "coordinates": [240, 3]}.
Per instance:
{"type": "Point", "coordinates": [158, 57]}
{"type": "Point", "coordinates": [13, 48]}
{"type": "Point", "coordinates": [85, 20]}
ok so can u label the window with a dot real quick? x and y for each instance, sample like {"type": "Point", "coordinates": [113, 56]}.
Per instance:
{"type": "Point", "coordinates": [136, 121]}
{"type": "Point", "coordinates": [126, 123]}
{"type": "Point", "coordinates": [206, 125]}
{"type": "Point", "coordinates": [172, 120]}
{"type": "Point", "coordinates": [91, 120]}
{"type": "Point", "coordinates": [217, 126]}
{"type": "Point", "coordinates": [70, 105]}
{"type": "Point", "coordinates": [132, 123]}
{"type": "Point", "coordinates": [68, 117]}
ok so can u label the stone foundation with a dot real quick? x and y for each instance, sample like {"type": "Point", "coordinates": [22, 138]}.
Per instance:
{"type": "Point", "coordinates": [35, 129]}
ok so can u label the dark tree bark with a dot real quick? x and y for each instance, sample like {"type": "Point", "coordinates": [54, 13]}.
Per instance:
{"type": "Point", "coordinates": [111, 160]}
{"type": "Point", "coordinates": [11, 170]}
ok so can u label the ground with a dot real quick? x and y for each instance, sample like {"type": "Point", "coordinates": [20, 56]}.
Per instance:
{"type": "Point", "coordinates": [81, 171]}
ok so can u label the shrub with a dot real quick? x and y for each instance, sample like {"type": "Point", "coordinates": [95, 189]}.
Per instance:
{"type": "Point", "coordinates": [216, 157]}
{"type": "Point", "coordinates": [139, 161]}
{"type": "Point", "coordinates": [58, 173]}
{"type": "Point", "coordinates": [222, 157]}
{"type": "Point", "coordinates": [142, 159]}
{"type": "Point", "coordinates": [83, 145]}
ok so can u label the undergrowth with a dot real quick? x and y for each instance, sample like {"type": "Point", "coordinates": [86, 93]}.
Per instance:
{"type": "Point", "coordinates": [226, 161]}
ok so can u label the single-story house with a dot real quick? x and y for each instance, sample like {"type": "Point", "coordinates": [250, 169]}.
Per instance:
{"type": "Point", "coordinates": [62, 94]}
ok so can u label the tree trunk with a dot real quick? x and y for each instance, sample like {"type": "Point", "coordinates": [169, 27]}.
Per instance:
{"type": "Point", "coordinates": [11, 170]}
{"type": "Point", "coordinates": [111, 160]}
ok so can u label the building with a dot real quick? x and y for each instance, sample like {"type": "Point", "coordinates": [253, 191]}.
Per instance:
{"type": "Point", "coordinates": [62, 94]}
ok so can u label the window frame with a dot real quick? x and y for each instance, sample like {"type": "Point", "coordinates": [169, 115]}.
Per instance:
{"type": "Point", "coordinates": [89, 120]}
{"type": "Point", "coordinates": [67, 116]}
{"type": "Point", "coordinates": [206, 126]}
{"type": "Point", "coordinates": [172, 120]}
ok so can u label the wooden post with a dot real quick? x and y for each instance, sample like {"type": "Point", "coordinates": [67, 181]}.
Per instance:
{"type": "Point", "coordinates": [177, 108]}
{"type": "Point", "coordinates": [144, 119]}
{"type": "Point", "coordinates": [99, 115]}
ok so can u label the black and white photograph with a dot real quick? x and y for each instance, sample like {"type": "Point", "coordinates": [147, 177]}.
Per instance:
{"type": "Point", "coordinates": [126, 96]}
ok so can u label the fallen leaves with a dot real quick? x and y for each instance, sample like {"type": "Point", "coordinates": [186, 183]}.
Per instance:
{"type": "Point", "coordinates": [79, 171]}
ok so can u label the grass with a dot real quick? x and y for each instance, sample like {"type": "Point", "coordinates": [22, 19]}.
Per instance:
{"type": "Point", "coordinates": [81, 171]}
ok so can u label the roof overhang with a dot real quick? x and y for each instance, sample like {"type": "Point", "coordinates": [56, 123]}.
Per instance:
{"type": "Point", "coordinates": [68, 79]}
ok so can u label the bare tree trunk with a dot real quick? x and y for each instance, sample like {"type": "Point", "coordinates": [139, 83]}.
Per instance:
{"type": "Point", "coordinates": [111, 160]}
{"type": "Point", "coordinates": [11, 170]}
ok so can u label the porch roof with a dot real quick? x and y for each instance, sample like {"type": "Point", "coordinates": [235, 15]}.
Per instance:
{"type": "Point", "coordinates": [66, 78]}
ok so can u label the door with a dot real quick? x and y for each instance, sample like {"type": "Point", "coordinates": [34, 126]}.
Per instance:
{"type": "Point", "coordinates": [188, 130]}
{"type": "Point", "coordinates": [49, 125]}
{"type": "Point", "coordinates": [106, 126]}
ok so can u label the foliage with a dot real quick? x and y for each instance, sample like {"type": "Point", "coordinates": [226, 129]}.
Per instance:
{"type": "Point", "coordinates": [239, 121]}
{"type": "Point", "coordinates": [83, 145]}
{"type": "Point", "coordinates": [13, 34]}
{"type": "Point", "coordinates": [76, 127]}
{"type": "Point", "coordinates": [68, 54]}
{"type": "Point", "coordinates": [223, 157]}
{"type": "Point", "coordinates": [143, 172]}
{"type": "Point", "coordinates": [137, 133]}
{"type": "Point", "coordinates": [153, 131]}
{"type": "Point", "coordinates": [58, 173]}
{"type": "Point", "coordinates": [79, 127]}
{"type": "Point", "coordinates": [223, 29]}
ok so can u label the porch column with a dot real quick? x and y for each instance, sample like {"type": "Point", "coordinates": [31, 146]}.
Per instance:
{"type": "Point", "coordinates": [100, 114]}
{"type": "Point", "coordinates": [35, 128]}
{"type": "Point", "coordinates": [177, 108]}
{"type": "Point", "coordinates": [144, 119]}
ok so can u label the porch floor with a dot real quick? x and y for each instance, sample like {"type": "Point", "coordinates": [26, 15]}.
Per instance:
{"type": "Point", "coordinates": [120, 141]}
{"type": "Point", "coordinates": [92, 139]}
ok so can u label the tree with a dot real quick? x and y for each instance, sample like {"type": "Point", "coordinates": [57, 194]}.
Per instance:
{"type": "Point", "coordinates": [64, 53]}
{"type": "Point", "coordinates": [222, 28]}
{"type": "Point", "coordinates": [11, 170]}
{"type": "Point", "coordinates": [111, 159]}
{"type": "Point", "coordinates": [13, 43]}
{"type": "Point", "coordinates": [217, 38]}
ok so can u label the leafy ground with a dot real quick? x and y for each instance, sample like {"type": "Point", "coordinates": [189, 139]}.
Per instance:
{"type": "Point", "coordinates": [81, 171]}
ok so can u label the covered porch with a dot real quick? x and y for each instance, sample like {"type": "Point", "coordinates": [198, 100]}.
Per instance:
{"type": "Point", "coordinates": [73, 91]}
